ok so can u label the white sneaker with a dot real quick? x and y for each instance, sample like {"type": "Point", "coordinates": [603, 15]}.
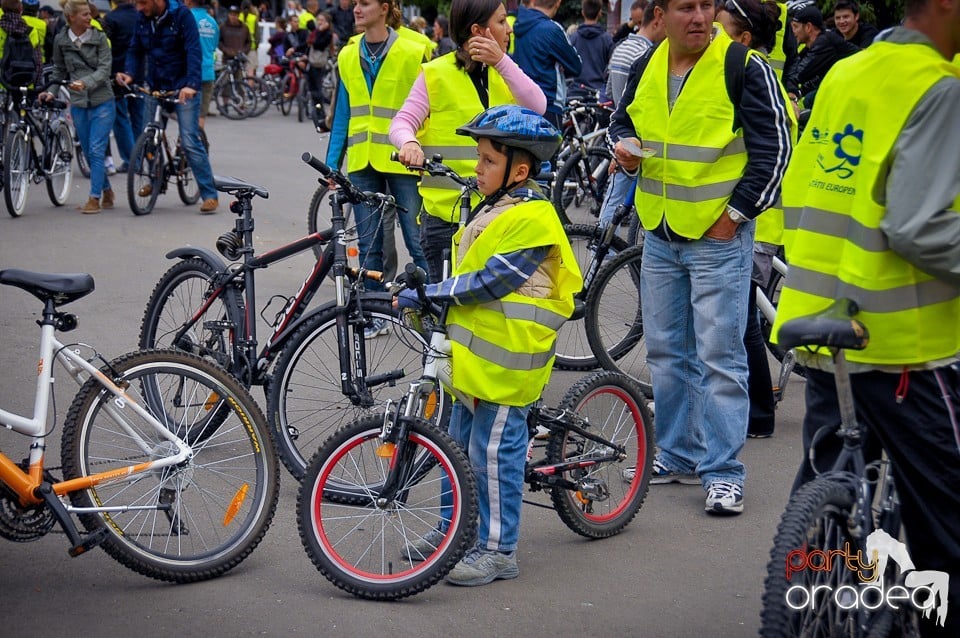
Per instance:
{"type": "Point", "coordinates": [108, 164]}
{"type": "Point", "coordinates": [724, 498]}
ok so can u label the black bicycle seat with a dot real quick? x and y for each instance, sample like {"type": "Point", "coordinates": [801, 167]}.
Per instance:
{"type": "Point", "coordinates": [61, 288]}
{"type": "Point", "coordinates": [834, 327]}
{"type": "Point", "coordinates": [233, 185]}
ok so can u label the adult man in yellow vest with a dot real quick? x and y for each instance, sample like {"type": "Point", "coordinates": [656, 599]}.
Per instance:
{"type": "Point", "coordinates": [717, 161]}
{"type": "Point", "coordinates": [871, 202]}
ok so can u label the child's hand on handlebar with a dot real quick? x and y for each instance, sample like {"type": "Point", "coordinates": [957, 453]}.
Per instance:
{"type": "Point", "coordinates": [407, 298]}
{"type": "Point", "coordinates": [411, 154]}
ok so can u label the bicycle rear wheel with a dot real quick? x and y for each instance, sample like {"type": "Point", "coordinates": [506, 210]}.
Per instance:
{"type": "Point", "coordinates": [287, 95]}
{"type": "Point", "coordinates": [145, 174]}
{"type": "Point", "coordinates": [181, 295]}
{"type": "Point", "coordinates": [573, 349]}
{"type": "Point", "coordinates": [186, 522]}
{"type": "Point", "coordinates": [187, 186]}
{"type": "Point", "coordinates": [60, 176]}
{"type": "Point", "coordinates": [16, 170]}
{"type": "Point", "coordinates": [235, 100]}
{"type": "Point", "coordinates": [610, 493]}
{"type": "Point", "coordinates": [307, 403]}
{"type": "Point", "coordinates": [581, 182]}
{"type": "Point", "coordinates": [361, 545]}
{"type": "Point", "coordinates": [614, 322]}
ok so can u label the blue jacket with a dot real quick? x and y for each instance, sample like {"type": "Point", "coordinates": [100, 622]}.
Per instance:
{"type": "Point", "coordinates": [171, 44]}
{"type": "Point", "coordinates": [544, 54]}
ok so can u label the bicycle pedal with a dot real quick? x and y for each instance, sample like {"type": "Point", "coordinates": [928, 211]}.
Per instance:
{"type": "Point", "coordinates": [89, 542]}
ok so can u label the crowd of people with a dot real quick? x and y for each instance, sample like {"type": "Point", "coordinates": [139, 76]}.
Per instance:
{"type": "Point", "coordinates": [716, 96]}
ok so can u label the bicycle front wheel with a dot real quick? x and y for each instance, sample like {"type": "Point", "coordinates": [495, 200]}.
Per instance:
{"type": "Point", "coordinates": [307, 402]}
{"type": "Point", "coordinates": [361, 545]}
{"type": "Point", "coordinates": [187, 186]}
{"type": "Point", "coordinates": [16, 170]}
{"type": "Point", "coordinates": [573, 349]}
{"type": "Point", "coordinates": [182, 296]}
{"type": "Point", "coordinates": [145, 174]}
{"type": "Point", "coordinates": [186, 522]}
{"type": "Point", "coordinates": [581, 181]}
{"type": "Point", "coordinates": [59, 175]}
{"type": "Point", "coordinates": [614, 321]}
{"type": "Point", "coordinates": [609, 492]}
{"type": "Point", "coordinates": [819, 517]}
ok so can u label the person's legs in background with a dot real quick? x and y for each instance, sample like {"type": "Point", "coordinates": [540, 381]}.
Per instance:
{"type": "Point", "coordinates": [188, 119]}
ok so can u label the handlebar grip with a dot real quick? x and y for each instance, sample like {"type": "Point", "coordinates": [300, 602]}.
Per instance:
{"type": "Point", "coordinates": [394, 156]}
{"type": "Point", "coordinates": [316, 164]}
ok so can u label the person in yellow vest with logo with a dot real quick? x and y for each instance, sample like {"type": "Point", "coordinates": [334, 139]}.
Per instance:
{"type": "Point", "coordinates": [717, 162]}
{"type": "Point", "coordinates": [452, 89]}
{"type": "Point", "coordinates": [872, 212]}
{"type": "Point", "coordinates": [758, 25]}
{"type": "Point", "coordinates": [514, 277]}
{"type": "Point", "coordinates": [376, 74]}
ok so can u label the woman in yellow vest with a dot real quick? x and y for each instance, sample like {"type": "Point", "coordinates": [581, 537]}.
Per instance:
{"type": "Point", "coordinates": [758, 25]}
{"type": "Point", "coordinates": [514, 277]}
{"type": "Point", "coordinates": [451, 90]}
{"type": "Point", "coordinates": [376, 74]}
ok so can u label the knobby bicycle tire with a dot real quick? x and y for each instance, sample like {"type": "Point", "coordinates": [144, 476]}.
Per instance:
{"type": "Point", "coordinates": [287, 96]}
{"type": "Point", "coordinates": [362, 547]}
{"type": "Point", "coordinates": [234, 98]}
{"type": "Point", "coordinates": [16, 170]}
{"type": "Point", "coordinates": [145, 174]}
{"type": "Point", "coordinates": [219, 503]}
{"type": "Point", "coordinates": [187, 186]}
{"type": "Point", "coordinates": [608, 498]}
{"type": "Point", "coordinates": [573, 350]}
{"type": "Point", "coordinates": [60, 175]}
{"type": "Point", "coordinates": [306, 402]}
{"type": "Point", "coordinates": [262, 93]}
{"type": "Point", "coordinates": [614, 321]}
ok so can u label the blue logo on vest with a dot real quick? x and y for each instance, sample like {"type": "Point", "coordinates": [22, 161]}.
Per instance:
{"type": "Point", "coordinates": [849, 148]}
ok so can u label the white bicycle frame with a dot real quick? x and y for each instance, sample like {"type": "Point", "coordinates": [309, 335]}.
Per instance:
{"type": "Point", "coordinates": [77, 367]}
{"type": "Point", "coordinates": [769, 312]}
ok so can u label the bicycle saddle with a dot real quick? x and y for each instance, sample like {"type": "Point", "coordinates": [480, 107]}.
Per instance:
{"type": "Point", "coordinates": [834, 327]}
{"type": "Point", "coordinates": [61, 288]}
{"type": "Point", "coordinates": [231, 185]}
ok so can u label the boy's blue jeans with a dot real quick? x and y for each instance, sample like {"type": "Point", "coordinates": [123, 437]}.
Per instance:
{"type": "Point", "coordinates": [495, 439]}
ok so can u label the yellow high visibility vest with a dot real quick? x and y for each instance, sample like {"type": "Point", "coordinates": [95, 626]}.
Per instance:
{"type": "Point", "coordinates": [837, 248]}
{"type": "Point", "coordinates": [415, 36]}
{"type": "Point", "coordinates": [368, 142]}
{"type": "Point", "coordinates": [40, 28]}
{"type": "Point", "coordinates": [251, 19]}
{"type": "Point", "coordinates": [503, 350]}
{"type": "Point", "coordinates": [777, 57]}
{"type": "Point", "coordinates": [699, 159]}
{"type": "Point", "coordinates": [453, 102]}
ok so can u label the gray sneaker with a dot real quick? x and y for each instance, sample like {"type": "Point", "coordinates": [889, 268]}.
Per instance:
{"type": "Point", "coordinates": [421, 548]}
{"type": "Point", "coordinates": [482, 566]}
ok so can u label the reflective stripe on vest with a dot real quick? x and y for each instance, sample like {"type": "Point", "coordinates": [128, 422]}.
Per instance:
{"type": "Point", "coordinates": [453, 103]}
{"type": "Point", "coordinates": [699, 159]}
{"type": "Point", "coordinates": [368, 140]}
{"type": "Point", "coordinates": [503, 350]}
{"type": "Point", "coordinates": [835, 243]}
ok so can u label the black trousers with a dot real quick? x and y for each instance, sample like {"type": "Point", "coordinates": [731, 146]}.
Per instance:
{"type": "Point", "coordinates": [921, 436]}
{"type": "Point", "coordinates": [435, 237]}
{"type": "Point", "coordinates": [759, 386]}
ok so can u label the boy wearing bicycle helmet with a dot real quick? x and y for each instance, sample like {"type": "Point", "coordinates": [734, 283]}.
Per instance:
{"type": "Point", "coordinates": [512, 286]}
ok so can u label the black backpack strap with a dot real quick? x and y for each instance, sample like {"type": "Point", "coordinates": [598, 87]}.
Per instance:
{"type": "Point", "coordinates": [733, 73]}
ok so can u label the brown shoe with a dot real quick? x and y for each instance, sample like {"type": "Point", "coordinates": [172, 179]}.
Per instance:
{"type": "Point", "coordinates": [145, 190]}
{"type": "Point", "coordinates": [106, 199]}
{"type": "Point", "coordinates": [209, 206]}
{"type": "Point", "coordinates": [92, 207]}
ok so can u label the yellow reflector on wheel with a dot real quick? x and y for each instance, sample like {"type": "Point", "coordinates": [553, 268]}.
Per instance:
{"type": "Point", "coordinates": [235, 504]}
{"type": "Point", "coordinates": [431, 407]}
{"type": "Point", "coordinates": [211, 401]}
{"type": "Point", "coordinates": [386, 450]}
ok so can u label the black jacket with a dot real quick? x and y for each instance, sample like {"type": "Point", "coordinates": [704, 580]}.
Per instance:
{"type": "Point", "coordinates": [814, 62]}
{"type": "Point", "coordinates": [594, 45]}
{"type": "Point", "coordinates": [120, 25]}
{"type": "Point", "coordinates": [766, 134]}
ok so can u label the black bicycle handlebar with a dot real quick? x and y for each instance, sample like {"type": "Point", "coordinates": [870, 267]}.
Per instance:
{"type": "Point", "coordinates": [437, 168]}
{"type": "Point", "coordinates": [353, 194]}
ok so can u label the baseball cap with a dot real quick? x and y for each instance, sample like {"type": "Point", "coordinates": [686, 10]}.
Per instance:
{"type": "Point", "coordinates": [808, 14]}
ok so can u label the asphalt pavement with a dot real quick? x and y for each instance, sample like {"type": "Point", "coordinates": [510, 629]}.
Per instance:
{"type": "Point", "coordinates": [674, 572]}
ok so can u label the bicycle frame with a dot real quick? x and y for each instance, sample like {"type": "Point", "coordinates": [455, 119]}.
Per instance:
{"type": "Point", "coordinates": [26, 483]}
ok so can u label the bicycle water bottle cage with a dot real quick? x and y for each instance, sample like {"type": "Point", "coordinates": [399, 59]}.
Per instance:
{"type": "Point", "coordinates": [834, 327]}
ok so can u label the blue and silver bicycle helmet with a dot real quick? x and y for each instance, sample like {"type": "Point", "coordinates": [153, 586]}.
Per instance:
{"type": "Point", "coordinates": [515, 127]}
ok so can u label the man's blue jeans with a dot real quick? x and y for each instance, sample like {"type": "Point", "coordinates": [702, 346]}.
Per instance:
{"type": "Point", "coordinates": [370, 229]}
{"type": "Point", "coordinates": [123, 131]}
{"type": "Point", "coordinates": [619, 185]}
{"type": "Point", "coordinates": [694, 297]}
{"type": "Point", "coordinates": [188, 119]}
{"type": "Point", "coordinates": [93, 126]}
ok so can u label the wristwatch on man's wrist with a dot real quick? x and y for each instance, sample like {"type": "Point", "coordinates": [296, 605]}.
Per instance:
{"type": "Point", "coordinates": [736, 216]}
